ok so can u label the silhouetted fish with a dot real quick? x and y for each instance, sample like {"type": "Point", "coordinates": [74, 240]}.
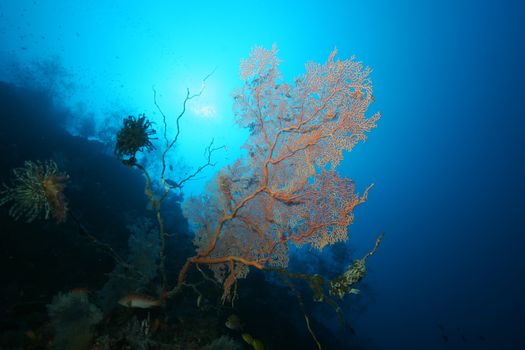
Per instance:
{"type": "Point", "coordinates": [139, 301]}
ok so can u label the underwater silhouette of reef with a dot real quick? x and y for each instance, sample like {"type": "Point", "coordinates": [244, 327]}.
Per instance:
{"type": "Point", "coordinates": [120, 269]}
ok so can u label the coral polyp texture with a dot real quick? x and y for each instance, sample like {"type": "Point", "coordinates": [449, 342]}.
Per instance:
{"type": "Point", "coordinates": [134, 136]}
{"type": "Point", "coordinates": [286, 190]}
{"type": "Point", "coordinates": [37, 190]}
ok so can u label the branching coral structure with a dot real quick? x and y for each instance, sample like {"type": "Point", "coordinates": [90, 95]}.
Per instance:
{"type": "Point", "coordinates": [72, 317]}
{"type": "Point", "coordinates": [286, 190]}
{"type": "Point", "coordinates": [37, 189]}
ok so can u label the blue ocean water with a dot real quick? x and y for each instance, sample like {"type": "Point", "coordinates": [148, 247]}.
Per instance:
{"type": "Point", "coordinates": [446, 159]}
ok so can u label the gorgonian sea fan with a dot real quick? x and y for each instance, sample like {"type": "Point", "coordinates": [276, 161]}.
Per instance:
{"type": "Point", "coordinates": [286, 190]}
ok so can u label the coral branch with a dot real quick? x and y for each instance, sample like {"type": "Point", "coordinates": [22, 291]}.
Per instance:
{"type": "Point", "coordinates": [157, 199]}
{"type": "Point", "coordinates": [286, 190]}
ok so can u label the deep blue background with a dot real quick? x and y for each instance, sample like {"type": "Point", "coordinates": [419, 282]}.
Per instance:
{"type": "Point", "coordinates": [447, 157]}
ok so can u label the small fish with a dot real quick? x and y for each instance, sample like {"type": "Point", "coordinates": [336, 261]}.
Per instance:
{"type": "Point", "coordinates": [354, 291]}
{"type": "Point", "coordinates": [199, 300]}
{"type": "Point", "coordinates": [442, 329]}
{"type": "Point", "coordinates": [247, 338]}
{"type": "Point", "coordinates": [172, 183]}
{"type": "Point", "coordinates": [257, 344]}
{"type": "Point", "coordinates": [139, 301]}
{"type": "Point", "coordinates": [80, 291]}
{"type": "Point", "coordinates": [233, 322]}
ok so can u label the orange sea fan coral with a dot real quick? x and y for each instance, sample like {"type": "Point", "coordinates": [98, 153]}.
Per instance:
{"type": "Point", "coordinates": [286, 191]}
{"type": "Point", "coordinates": [37, 189]}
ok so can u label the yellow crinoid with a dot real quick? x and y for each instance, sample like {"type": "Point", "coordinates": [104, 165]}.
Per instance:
{"type": "Point", "coordinates": [37, 189]}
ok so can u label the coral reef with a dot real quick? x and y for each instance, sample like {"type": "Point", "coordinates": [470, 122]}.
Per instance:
{"type": "Point", "coordinates": [72, 318]}
{"type": "Point", "coordinates": [343, 284]}
{"type": "Point", "coordinates": [142, 264]}
{"type": "Point", "coordinates": [284, 192]}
